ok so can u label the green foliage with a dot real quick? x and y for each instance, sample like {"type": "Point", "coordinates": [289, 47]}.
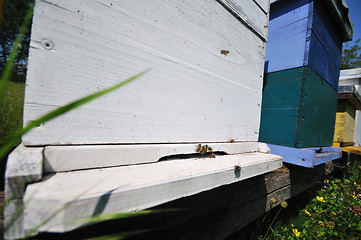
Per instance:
{"type": "Point", "coordinates": [335, 213]}
{"type": "Point", "coordinates": [11, 111]}
{"type": "Point", "coordinates": [14, 14]}
{"type": "Point", "coordinates": [112, 216]}
{"type": "Point", "coordinates": [351, 55]}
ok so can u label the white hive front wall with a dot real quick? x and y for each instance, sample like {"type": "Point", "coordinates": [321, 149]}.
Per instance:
{"type": "Point", "coordinates": [205, 83]}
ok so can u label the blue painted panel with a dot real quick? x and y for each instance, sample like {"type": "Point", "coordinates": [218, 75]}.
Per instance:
{"type": "Point", "coordinates": [304, 33]}
{"type": "Point", "coordinates": [306, 157]}
{"type": "Point", "coordinates": [326, 46]}
{"type": "Point", "coordinates": [300, 157]}
{"type": "Point", "coordinates": [287, 35]}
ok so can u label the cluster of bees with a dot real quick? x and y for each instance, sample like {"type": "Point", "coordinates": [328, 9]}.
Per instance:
{"type": "Point", "coordinates": [205, 149]}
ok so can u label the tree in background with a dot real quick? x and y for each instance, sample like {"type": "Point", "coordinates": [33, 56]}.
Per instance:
{"type": "Point", "coordinates": [13, 16]}
{"type": "Point", "coordinates": [351, 55]}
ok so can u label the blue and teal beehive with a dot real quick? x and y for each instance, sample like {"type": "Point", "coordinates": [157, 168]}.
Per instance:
{"type": "Point", "coordinates": [302, 69]}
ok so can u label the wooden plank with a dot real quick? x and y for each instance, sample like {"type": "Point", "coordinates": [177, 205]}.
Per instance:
{"type": "Point", "coordinates": [251, 12]}
{"type": "Point", "coordinates": [351, 96]}
{"type": "Point", "coordinates": [300, 157]}
{"type": "Point", "coordinates": [70, 158]}
{"type": "Point", "coordinates": [132, 188]}
{"type": "Point", "coordinates": [357, 136]}
{"type": "Point", "coordinates": [348, 75]}
{"type": "Point", "coordinates": [306, 157]}
{"type": "Point", "coordinates": [193, 93]}
{"type": "Point", "coordinates": [239, 204]}
{"type": "Point", "coordinates": [352, 149]}
{"type": "Point", "coordinates": [24, 165]}
{"type": "Point", "coordinates": [213, 214]}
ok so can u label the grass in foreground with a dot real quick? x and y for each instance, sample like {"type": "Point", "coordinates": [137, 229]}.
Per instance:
{"type": "Point", "coordinates": [334, 213]}
{"type": "Point", "coordinates": [11, 110]}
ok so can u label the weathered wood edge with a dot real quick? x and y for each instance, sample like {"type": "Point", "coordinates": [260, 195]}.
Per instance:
{"type": "Point", "coordinates": [214, 214]}
{"type": "Point", "coordinates": [24, 166]}
{"type": "Point", "coordinates": [70, 158]}
{"type": "Point", "coordinates": [245, 202]}
{"type": "Point", "coordinates": [306, 157]}
{"type": "Point", "coordinates": [134, 187]}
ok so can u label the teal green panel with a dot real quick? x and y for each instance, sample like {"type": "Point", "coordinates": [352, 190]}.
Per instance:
{"type": "Point", "coordinates": [280, 106]}
{"type": "Point", "coordinates": [298, 109]}
{"type": "Point", "coordinates": [278, 126]}
{"type": "Point", "coordinates": [317, 112]}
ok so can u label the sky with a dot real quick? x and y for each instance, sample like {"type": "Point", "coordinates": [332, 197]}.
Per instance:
{"type": "Point", "coordinates": [355, 13]}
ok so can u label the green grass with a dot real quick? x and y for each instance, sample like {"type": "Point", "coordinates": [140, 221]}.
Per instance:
{"type": "Point", "coordinates": [333, 213]}
{"type": "Point", "coordinates": [11, 110]}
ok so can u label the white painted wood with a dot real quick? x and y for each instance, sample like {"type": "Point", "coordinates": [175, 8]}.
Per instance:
{"type": "Point", "coordinates": [273, 1]}
{"type": "Point", "coordinates": [68, 158]}
{"type": "Point", "coordinates": [131, 188]}
{"type": "Point", "coordinates": [264, 4]}
{"type": "Point", "coordinates": [14, 229]}
{"type": "Point", "coordinates": [252, 12]}
{"type": "Point", "coordinates": [24, 165]}
{"type": "Point", "coordinates": [350, 77]}
{"type": "Point", "coordinates": [357, 136]}
{"type": "Point", "coordinates": [193, 93]}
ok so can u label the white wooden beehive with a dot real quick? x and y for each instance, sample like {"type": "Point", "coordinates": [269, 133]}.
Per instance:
{"type": "Point", "coordinates": [205, 86]}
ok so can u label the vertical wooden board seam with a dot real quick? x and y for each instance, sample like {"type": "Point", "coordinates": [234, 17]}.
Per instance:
{"type": "Point", "coordinates": [300, 118]}
{"type": "Point", "coordinates": [308, 34]}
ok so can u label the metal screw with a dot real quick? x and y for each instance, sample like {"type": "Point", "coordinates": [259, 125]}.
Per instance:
{"type": "Point", "coordinates": [47, 44]}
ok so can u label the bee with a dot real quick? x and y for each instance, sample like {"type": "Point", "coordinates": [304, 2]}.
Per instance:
{"type": "Point", "coordinates": [225, 52]}
{"type": "Point", "coordinates": [319, 150]}
{"type": "Point", "coordinates": [204, 149]}
{"type": "Point", "coordinates": [232, 140]}
{"type": "Point", "coordinates": [199, 148]}
{"type": "Point", "coordinates": [237, 168]}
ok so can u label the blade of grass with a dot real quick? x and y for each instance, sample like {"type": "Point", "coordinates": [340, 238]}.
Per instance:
{"type": "Point", "coordinates": [119, 236]}
{"type": "Point", "coordinates": [16, 215]}
{"type": "Point", "coordinates": [113, 216]}
{"type": "Point", "coordinates": [4, 149]}
{"type": "Point", "coordinates": [6, 74]}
